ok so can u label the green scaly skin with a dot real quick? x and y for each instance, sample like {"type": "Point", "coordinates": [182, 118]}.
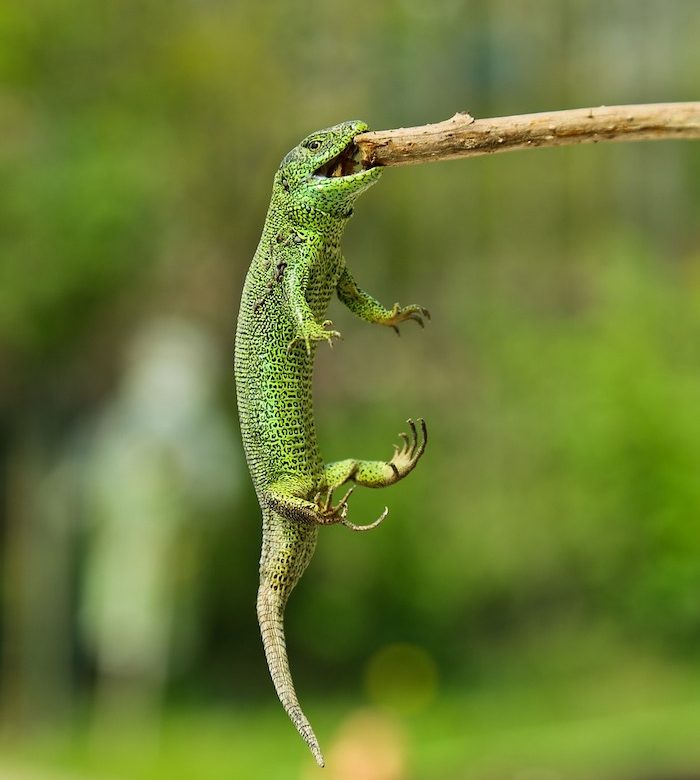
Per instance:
{"type": "Point", "coordinates": [296, 269]}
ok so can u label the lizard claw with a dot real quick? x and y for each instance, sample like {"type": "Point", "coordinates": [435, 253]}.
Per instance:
{"type": "Point", "coordinates": [343, 503]}
{"type": "Point", "coordinates": [331, 334]}
{"type": "Point", "coordinates": [327, 513]}
{"type": "Point", "coordinates": [369, 526]}
{"type": "Point", "coordinates": [311, 332]}
{"type": "Point", "coordinates": [406, 457]}
{"type": "Point", "coordinates": [400, 313]}
{"type": "Point", "coordinates": [330, 514]}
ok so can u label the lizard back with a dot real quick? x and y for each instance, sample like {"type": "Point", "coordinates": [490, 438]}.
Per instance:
{"type": "Point", "coordinates": [295, 271]}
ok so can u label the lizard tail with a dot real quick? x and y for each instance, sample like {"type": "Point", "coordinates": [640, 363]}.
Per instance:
{"type": "Point", "coordinates": [271, 605]}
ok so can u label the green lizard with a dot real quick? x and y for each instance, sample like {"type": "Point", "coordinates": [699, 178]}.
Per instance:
{"type": "Point", "coordinates": [296, 269]}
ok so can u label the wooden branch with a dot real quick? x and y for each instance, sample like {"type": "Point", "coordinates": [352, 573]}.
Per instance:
{"type": "Point", "coordinates": [464, 136]}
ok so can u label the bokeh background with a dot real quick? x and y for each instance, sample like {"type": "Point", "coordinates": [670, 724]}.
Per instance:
{"type": "Point", "coordinates": [531, 608]}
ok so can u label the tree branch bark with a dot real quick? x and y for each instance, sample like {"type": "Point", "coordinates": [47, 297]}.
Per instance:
{"type": "Point", "coordinates": [464, 136]}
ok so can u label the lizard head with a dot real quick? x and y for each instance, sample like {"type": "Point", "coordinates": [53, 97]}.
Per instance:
{"type": "Point", "coordinates": [324, 173]}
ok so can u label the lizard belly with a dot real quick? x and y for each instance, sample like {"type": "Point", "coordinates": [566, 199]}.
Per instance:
{"type": "Point", "coordinates": [276, 413]}
{"type": "Point", "coordinates": [274, 385]}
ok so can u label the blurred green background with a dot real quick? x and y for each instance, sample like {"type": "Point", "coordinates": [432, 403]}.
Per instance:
{"type": "Point", "coordinates": [531, 608]}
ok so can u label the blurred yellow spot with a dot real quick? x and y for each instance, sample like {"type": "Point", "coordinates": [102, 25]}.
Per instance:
{"type": "Point", "coordinates": [402, 677]}
{"type": "Point", "coordinates": [368, 746]}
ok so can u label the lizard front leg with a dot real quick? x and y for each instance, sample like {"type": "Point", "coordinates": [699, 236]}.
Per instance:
{"type": "Point", "coordinates": [363, 305]}
{"type": "Point", "coordinates": [295, 281]}
{"type": "Point", "coordinates": [379, 473]}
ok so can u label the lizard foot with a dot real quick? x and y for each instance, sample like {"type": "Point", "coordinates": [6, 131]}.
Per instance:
{"type": "Point", "coordinates": [406, 457]}
{"type": "Point", "coordinates": [312, 331]}
{"type": "Point", "coordinates": [404, 313]}
{"type": "Point", "coordinates": [369, 526]}
{"type": "Point", "coordinates": [329, 514]}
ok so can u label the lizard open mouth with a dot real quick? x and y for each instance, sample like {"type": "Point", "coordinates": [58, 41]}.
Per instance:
{"type": "Point", "coordinates": [346, 163]}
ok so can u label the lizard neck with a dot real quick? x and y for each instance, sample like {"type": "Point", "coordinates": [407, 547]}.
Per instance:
{"type": "Point", "coordinates": [330, 228]}
{"type": "Point", "coordinates": [301, 213]}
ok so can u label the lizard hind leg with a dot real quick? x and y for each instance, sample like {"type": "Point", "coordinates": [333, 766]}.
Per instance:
{"type": "Point", "coordinates": [373, 473]}
{"type": "Point", "coordinates": [319, 511]}
{"type": "Point", "coordinates": [381, 473]}
{"type": "Point", "coordinates": [337, 514]}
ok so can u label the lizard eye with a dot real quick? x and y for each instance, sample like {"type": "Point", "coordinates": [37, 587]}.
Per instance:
{"type": "Point", "coordinates": [313, 145]}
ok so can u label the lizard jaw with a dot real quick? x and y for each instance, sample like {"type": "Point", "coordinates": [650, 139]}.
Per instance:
{"type": "Point", "coordinates": [345, 165]}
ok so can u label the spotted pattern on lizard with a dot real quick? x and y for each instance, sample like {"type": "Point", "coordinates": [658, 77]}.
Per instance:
{"type": "Point", "coordinates": [297, 268]}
